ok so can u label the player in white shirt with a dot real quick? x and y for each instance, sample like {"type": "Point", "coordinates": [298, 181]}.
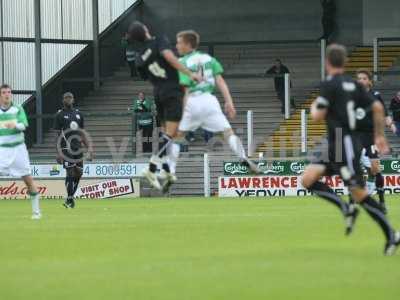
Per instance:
{"type": "Point", "coordinates": [201, 108]}
{"type": "Point", "coordinates": [14, 158]}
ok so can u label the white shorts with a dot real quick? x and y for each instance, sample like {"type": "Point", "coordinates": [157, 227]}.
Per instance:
{"type": "Point", "coordinates": [14, 161]}
{"type": "Point", "coordinates": [203, 111]}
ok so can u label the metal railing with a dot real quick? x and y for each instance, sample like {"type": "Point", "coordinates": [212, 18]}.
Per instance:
{"type": "Point", "coordinates": [304, 131]}
{"type": "Point", "coordinates": [323, 59]}
{"type": "Point", "coordinates": [376, 43]}
{"type": "Point", "coordinates": [251, 140]}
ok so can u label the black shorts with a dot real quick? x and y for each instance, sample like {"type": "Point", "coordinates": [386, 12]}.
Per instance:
{"type": "Point", "coordinates": [169, 105]}
{"type": "Point", "coordinates": [348, 166]}
{"type": "Point", "coordinates": [372, 152]}
{"type": "Point", "coordinates": [72, 160]}
{"type": "Point", "coordinates": [368, 143]}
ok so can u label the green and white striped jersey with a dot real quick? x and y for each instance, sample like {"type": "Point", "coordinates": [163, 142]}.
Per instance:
{"type": "Point", "coordinates": [204, 64]}
{"type": "Point", "coordinates": [12, 137]}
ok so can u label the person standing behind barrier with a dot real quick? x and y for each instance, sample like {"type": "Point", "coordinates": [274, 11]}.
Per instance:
{"type": "Point", "coordinates": [395, 109]}
{"type": "Point", "coordinates": [144, 111]}
{"type": "Point", "coordinates": [130, 55]}
{"type": "Point", "coordinates": [279, 70]}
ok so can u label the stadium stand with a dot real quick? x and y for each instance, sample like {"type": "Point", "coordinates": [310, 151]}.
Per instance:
{"type": "Point", "coordinates": [286, 137]}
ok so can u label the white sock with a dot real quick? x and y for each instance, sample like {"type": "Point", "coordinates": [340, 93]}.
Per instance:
{"type": "Point", "coordinates": [236, 146]}
{"type": "Point", "coordinates": [173, 155]}
{"type": "Point", "coordinates": [35, 203]}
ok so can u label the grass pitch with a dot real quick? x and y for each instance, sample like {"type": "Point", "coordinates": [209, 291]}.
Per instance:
{"type": "Point", "coordinates": [292, 248]}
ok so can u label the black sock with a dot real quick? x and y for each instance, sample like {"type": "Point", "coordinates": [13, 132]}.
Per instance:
{"type": "Point", "coordinates": [69, 185]}
{"type": "Point", "coordinates": [76, 184]}
{"type": "Point", "coordinates": [379, 182]}
{"type": "Point", "coordinates": [374, 210]}
{"type": "Point", "coordinates": [165, 166]}
{"type": "Point", "coordinates": [164, 144]}
{"type": "Point", "coordinates": [325, 192]}
{"type": "Point", "coordinates": [152, 167]}
{"type": "Point", "coordinates": [163, 147]}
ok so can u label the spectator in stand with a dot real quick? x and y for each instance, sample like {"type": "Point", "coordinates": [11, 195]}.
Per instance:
{"type": "Point", "coordinates": [279, 70]}
{"type": "Point", "coordinates": [144, 112]}
{"type": "Point", "coordinates": [395, 109]}
{"type": "Point", "coordinates": [130, 55]}
{"type": "Point", "coordinates": [328, 18]}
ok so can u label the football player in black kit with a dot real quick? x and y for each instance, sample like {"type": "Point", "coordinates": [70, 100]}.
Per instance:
{"type": "Point", "coordinates": [370, 155]}
{"type": "Point", "coordinates": [71, 137]}
{"type": "Point", "coordinates": [157, 63]}
{"type": "Point", "coordinates": [340, 101]}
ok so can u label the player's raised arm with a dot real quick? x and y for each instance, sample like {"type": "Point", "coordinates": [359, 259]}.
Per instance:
{"type": "Point", "coordinates": [379, 126]}
{"type": "Point", "coordinates": [230, 109]}
{"type": "Point", "coordinates": [87, 141]}
{"type": "Point", "coordinates": [58, 126]}
{"type": "Point", "coordinates": [171, 58]}
{"type": "Point", "coordinates": [319, 109]}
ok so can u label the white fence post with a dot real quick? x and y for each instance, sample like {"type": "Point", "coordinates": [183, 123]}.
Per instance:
{"type": "Point", "coordinates": [250, 133]}
{"type": "Point", "coordinates": [303, 131]}
{"type": "Point", "coordinates": [206, 175]}
{"type": "Point", "coordinates": [287, 96]}
{"type": "Point", "coordinates": [376, 59]}
{"type": "Point", "coordinates": [323, 58]}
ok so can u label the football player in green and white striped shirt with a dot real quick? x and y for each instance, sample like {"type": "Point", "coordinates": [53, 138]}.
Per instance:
{"type": "Point", "coordinates": [14, 158]}
{"type": "Point", "coordinates": [202, 108]}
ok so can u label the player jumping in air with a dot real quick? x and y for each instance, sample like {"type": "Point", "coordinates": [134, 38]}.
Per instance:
{"type": "Point", "coordinates": [69, 123]}
{"type": "Point", "coordinates": [202, 108]}
{"type": "Point", "coordinates": [370, 154]}
{"type": "Point", "coordinates": [14, 157]}
{"type": "Point", "coordinates": [157, 62]}
{"type": "Point", "coordinates": [341, 100]}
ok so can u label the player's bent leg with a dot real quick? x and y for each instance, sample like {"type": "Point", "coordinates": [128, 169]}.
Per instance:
{"type": "Point", "coordinates": [374, 210]}
{"type": "Point", "coordinates": [171, 128]}
{"type": "Point", "coordinates": [237, 148]}
{"type": "Point", "coordinates": [234, 143]}
{"type": "Point", "coordinates": [20, 167]}
{"type": "Point", "coordinates": [172, 157]}
{"type": "Point", "coordinates": [311, 180]}
{"type": "Point", "coordinates": [174, 150]}
{"type": "Point", "coordinates": [75, 174]}
{"type": "Point", "coordinates": [375, 166]}
{"type": "Point", "coordinates": [379, 182]}
{"type": "Point", "coordinates": [166, 139]}
{"type": "Point", "coordinates": [70, 185]}
{"type": "Point", "coordinates": [34, 196]}
{"type": "Point", "coordinates": [312, 174]}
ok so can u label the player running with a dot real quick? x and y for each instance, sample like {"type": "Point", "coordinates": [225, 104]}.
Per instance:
{"type": "Point", "coordinates": [14, 157]}
{"type": "Point", "coordinates": [340, 102]}
{"type": "Point", "coordinates": [69, 123]}
{"type": "Point", "coordinates": [202, 108]}
{"type": "Point", "coordinates": [370, 155]}
{"type": "Point", "coordinates": [157, 62]}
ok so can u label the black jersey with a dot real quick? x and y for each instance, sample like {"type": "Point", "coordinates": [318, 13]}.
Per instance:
{"type": "Point", "coordinates": [346, 101]}
{"type": "Point", "coordinates": [365, 122]}
{"type": "Point", "coordinates": [153, 66]}
{"type": "Point", "coordinates": [377, 96]}
{"type": "Point", "coordinates": [69, 122]}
